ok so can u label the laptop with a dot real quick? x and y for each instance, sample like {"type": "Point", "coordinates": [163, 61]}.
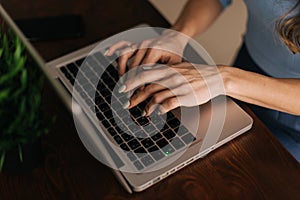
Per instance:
{"type": "Point", "coordinates": [141, 151]}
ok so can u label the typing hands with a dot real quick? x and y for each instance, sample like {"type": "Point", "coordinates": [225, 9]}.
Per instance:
{"type": "Point", "coordinates": [171, 83]}
{"type": "Point", "coordinates": [166, 48]}
{"type": "Point", "coordinates": [171, 86]}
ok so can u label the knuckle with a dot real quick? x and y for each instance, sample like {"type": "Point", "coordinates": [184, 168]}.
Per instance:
{"type": "Point", "coordinates": [172, 103]}
{"type": "Point", "coordinates": [176, 80]}
{"type": "Point", "coordinates": [144, 44]}
{"type": "Point", "coordinates": [149, 89]}
{"type": "Point", "coordinates": [155, 98]}
{"type": "Point", "coordinates": [143, 75]}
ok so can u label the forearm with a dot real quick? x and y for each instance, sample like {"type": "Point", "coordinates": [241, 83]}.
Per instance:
{"type": "Point", "coordinates": [197, 16]}
{"type": "Point", "coordinates": [274, 93]}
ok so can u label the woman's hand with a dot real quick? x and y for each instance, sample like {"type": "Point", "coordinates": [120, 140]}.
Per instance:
{"type": "Point", "coordinates": [166, 48]}
{"type": "Point", "coordinates": [177, 85]}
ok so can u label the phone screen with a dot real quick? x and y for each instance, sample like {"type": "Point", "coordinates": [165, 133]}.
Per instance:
{"type": "Point", "coordinates": [50, 28]}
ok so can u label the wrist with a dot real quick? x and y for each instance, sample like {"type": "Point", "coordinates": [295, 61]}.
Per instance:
{"type": "Point", "coordinates": [228, 73]}
{"type": "Point", "coordinates": [179, 37]}
{"type": "Point", "coordinates": [190, 32]}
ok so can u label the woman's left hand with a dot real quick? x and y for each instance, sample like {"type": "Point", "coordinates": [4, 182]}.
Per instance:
{"type": "Point", "coordinates": [171, 86]}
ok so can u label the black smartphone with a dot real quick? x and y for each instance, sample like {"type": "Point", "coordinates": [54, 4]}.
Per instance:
{"type": "Point", "coordinates": [50, 28]}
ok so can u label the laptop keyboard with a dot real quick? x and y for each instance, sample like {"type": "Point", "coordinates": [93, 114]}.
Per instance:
{"type": "Point", "coordinates": [144, 140]}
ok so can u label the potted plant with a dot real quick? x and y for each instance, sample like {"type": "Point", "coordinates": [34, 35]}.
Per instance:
{"type": "Point", "coordinates": [21, 120]}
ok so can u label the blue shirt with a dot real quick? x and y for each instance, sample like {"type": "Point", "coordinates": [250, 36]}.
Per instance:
{"type": "Point", "coordinates": [262, 39]}
{"type": "Point", "coordinates": [274, 58]}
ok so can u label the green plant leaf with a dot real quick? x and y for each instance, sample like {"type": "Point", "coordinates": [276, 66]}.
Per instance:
{"type": "Point", "coordinates": [2, 159]}
{"type": "Point", "coordinates": [4, 94]}
{"type": "Point", "coordinates": [20, 96]}
{"type": "Point", "coordinates": [18, 67]}
{"type": "Point", "coordinates": [20, 153]}
{"type": "Point", "coordinates": [1, 52]}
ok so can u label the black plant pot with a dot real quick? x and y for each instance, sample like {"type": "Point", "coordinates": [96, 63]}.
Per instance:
{"type": "Point", "coordinates": [32, 158]}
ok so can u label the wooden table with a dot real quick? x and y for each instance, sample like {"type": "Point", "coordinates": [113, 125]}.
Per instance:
{"type": "Point", "coordinates": [253, 166]}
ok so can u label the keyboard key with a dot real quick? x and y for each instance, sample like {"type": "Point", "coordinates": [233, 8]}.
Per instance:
{"type": "Point", "coordinates": [138, 165]}
{"type": "Point", "coordinates": [88, 87]}
{"type": "Point", "coordinates": [91, 62]}
{"type": "Point", "coordinates": [142, 121]}
{"type": "Point", "coordinates": [100, 116]}
{"type": "Point", "coordinates": [153, 148]}
{"type": "Point", "coordinates": [126, 137]}
{"type": "Point", "coordinates": [99, 100]}
{"type": "Point", "coordinates": [73, 69]}
{"type": "Point", "coordinates": [164, 128]}
{"type": "Point", "coordinates": [105, 92]}
{"type": "Point", "coordinates": [118, 139]}
{"type": "Point", "coordinates": [135, 112]}
{"type": "Point", "coordinates": [104, 107]}
{"type": "Point", "coordinates": [156, 136]}
{"type": "Point", "coordinates": [147, 160]}
{"type": "Point", "coordinates": [128, 120]}
{"type": "Point", "coordinates": [156, 153]}
{"type": "Point", "coordinates": [83, 95]}
{"type": "Point", "coordinates": [177, 143]}
{"type": "Point", "coordinates": [89, 102]}
{"type": "Point", "coordinates": [169, 134]}
{"type": "Point", "coordinates": [133, 144]}
{"type": "Point", "coordinates": [112, 131]}
{"type": "Point", "coordinates": [134, 128]}
{"type": "Point", "coordinates": [63, 70]}
{"type": "Point", "coordinates": [174, 123]}
{"type": "Point", "coordinates": [101, 59]}
{"type": "Point", "coordinates": [149, 128]}
{"type": "Point", "coordinates": [112, 122]}
{"type": "Point", "coordinates": [168, 149]}
{"type": "Point", "coordinates": [108, 114]}
{"type": "Point", "coordinates": [79, 62]}
{"type": "Point", "coordinates": [182, 131]}
{"type": "Point", "coordinates": [121, 126]}
{"type": "Point", "coordinates": [105, 123]}
{"type": "Point", "coordinates": [72, 81]}
{"type": "Point", "coordinates": [139, 151]}
{"type": "Point", "coordinates": [94, 109]}
{"type": "Point", "coordinates": [81, 80]}
{"type": "Point", "coordinates": [140, 135]}
{"type": "Point", "coordinates": [108, 99]}
{"type": "Point", "coordinates": [188, 138]}
{"type": "Point", "coordinates": [124, 147]}
{"type": "Point", "coordinates": [131, 156]}
{"type": "Point", "coordinates": [147, 143]}
{"type": "Point", "coordinates": [162, 142]}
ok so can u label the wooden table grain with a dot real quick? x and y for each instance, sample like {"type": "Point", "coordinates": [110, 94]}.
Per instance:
{"type": "Point", "coordinates": [252, 166]}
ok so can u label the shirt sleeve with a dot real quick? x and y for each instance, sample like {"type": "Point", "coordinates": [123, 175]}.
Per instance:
{"type": "Point", "coordinates": [225, 3]}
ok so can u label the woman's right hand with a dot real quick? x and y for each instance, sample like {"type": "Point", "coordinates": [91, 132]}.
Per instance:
{"type": "Point", "coordinates": [165, 49]}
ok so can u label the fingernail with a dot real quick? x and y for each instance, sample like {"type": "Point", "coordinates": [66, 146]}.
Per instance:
{"type": "Point", "coordinates": [122, 89]}
{"type": "Point", "coordinates": [126, 105]}
{"type": "Point", "coordinates": [143, 113]}
{"type": "Point", "coordinates": [106, 51]}
{"type": "Point", "coordinates": [147, 67]}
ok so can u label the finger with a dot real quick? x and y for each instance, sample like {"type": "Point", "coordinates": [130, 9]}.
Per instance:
{"type": "Point", "coordinates": [111, 50]}
{"type": "Point", "coordinates": [169, 104]}
{"type": "Point", "coordinates": [137, 59]}
{"type": "Point", "coordinates": [152, 56]}
{"type": "Point", "coordinates": [123, 59]}
{"type": "Point", "coordinates": [142, 95]}
{"type": "Point", "coordinates": [157, 99]}
{"type": "Point", "coordinates": [182, 91]}
{"type": "Point", "coordinates": [147, 76]}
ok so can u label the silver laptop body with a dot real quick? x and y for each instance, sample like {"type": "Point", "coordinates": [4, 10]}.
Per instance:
{"type": "Point", "coordinates": [98, 140]}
